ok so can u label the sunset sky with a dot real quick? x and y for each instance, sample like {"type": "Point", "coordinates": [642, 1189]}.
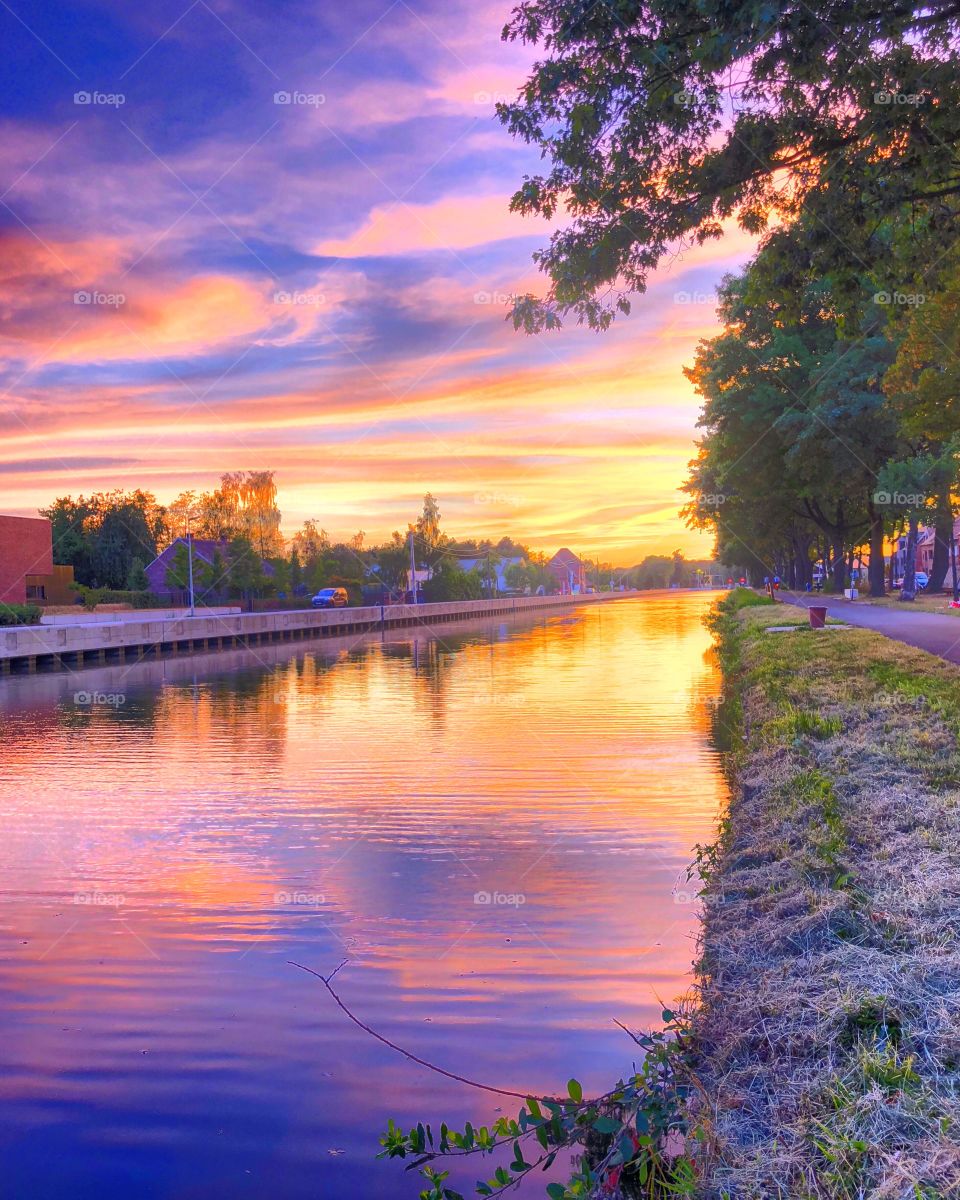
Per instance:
{"type": "Point", "coordinates": [319, 286]}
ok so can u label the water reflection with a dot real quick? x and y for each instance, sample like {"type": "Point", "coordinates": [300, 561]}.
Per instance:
{"type": "Point", "coordinates": [489, 824]}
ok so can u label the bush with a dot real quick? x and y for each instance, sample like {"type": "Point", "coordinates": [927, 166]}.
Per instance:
{"type": "Point", "coordinates": [20, 614]}
{"type": "Point", "coordinates": [90, 597]}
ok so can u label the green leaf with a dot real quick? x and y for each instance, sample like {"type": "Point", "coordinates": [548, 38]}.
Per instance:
{"type": "Point", "coordinates": [556, 1191]}
{"type": "Point", "coordinates": [575, 1091]}
{"type": "Point", "coordinates": [607, 1124]}
{"type": "Point", "coordinates": [668, 1014]}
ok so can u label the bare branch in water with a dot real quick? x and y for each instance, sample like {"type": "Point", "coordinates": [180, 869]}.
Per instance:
{"type": "Point", "coordinates": [325, 980]}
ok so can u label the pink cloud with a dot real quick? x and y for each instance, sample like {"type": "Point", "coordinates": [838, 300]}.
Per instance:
{"type": "Point", "coordinates": [452, 223]}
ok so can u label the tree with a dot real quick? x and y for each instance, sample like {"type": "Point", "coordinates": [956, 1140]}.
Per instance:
{"type": "Point", "coordinates": [102, 535]}
{"type": "Point", "coordinates": [449, 582]}
{"type": "Point", "coordinates": [663, 120]}
{"type": "Point", "coordinates": [798, 428]}
{"type": "Point", "coordinates": [137, 577]}
{"type": "Point", "coordinates": [245, 573]}
{"type": "Point", "coordinates": [310, 543]}
{"type": "Point", "coordinates": [924, 385]}
{"type": "Point", "coordinates": [430, 541]}
{"type": "Point", "coordinates": [392, 562]}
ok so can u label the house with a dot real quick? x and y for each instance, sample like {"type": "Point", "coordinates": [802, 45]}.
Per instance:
{"type": "Point", "coordinates": [26, 559]}
{"type": "Point", "coordinates": [205, 552]}
{"type": "Point", "coordinates": [569, 571]}
{"type": "Point", "coordinates": [926, 539]}
{"type": "Point", "coordinates": [492, 566]}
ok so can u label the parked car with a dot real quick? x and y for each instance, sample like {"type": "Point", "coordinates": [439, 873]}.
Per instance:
{"type": "Point", "coordinates": [330, 598]}
{"type": "Point", "coordinates": [921, 579]}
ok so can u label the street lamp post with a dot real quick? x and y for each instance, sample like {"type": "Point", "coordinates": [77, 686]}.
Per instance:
{"type": "Point", "coordinates": [413, 570]}
{"type": "Point", "coordinates": [190, 565]}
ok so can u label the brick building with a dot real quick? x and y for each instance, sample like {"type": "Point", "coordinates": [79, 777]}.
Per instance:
{"type": "Point", "coordinates": [569, 571]}
{"type": "Point", "coordinates": [26, 558]}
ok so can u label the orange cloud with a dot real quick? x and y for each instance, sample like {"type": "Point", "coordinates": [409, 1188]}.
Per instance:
{"type": "Point", "coordinates": [452, 223]}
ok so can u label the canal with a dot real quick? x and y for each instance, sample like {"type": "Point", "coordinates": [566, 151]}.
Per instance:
{"type": "Point", "coordinates": [490, 825]}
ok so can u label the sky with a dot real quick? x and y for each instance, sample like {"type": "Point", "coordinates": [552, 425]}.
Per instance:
{"type": "Point", "coordinates": [243, 235]}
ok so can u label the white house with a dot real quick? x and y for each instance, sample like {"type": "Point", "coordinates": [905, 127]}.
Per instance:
{"type": "Point", "coordinates": [494, 566]}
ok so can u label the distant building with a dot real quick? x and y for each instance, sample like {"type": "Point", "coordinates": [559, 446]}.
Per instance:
{"type": "Point", "coordinates": [205, 551]}
{"type": "Point", "coordinates": [492, 566]}
{"type": "Point", "coordinates": [568, 571]}
{"type": "Point", "coordinates": [26, 559]}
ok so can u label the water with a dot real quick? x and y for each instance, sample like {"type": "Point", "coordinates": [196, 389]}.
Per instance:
{"type": "Point", "coordinates": [167, 850]}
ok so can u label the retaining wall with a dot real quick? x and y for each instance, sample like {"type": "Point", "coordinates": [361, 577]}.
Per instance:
{"type": "Point", "coordinates": [52, 647]}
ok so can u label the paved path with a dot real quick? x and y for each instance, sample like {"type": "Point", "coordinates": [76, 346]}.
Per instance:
{"type": "Point", "coordinates": [937, 632]}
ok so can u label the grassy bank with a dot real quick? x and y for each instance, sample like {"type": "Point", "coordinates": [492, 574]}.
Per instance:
{"type": "Point", "coordinates": [828, 1026]}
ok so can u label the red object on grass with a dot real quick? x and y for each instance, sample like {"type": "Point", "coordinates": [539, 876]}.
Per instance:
{"type": "Point", "coordinates": [818, 616]}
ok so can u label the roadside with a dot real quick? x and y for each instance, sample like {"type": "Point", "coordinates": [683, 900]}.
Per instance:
{"type": "Point", "coordinates": [915, 626]}
{"type": "Point", "coordinates": [829, 1018]}
{"type": "Point", "coordinates": [935, 602]}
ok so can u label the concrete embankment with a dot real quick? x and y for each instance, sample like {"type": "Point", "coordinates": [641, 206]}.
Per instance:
{"type": "Point", "coordinates": [827, 1021]}
{"type": "Point", "coordinates": [52, 647]}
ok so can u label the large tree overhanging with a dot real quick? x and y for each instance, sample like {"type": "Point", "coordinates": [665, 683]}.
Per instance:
{"type": "Point", "coordinates": [661, 120]}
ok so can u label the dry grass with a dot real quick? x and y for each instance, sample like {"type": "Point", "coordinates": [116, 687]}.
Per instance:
{"type": "Point", "coordinates": [829, 1015]}
{"type": "Point", "coordinates": [924, 602]}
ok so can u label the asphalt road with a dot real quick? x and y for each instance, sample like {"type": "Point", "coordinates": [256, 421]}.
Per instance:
{"type": "Point", "coordinates": [937, 632]}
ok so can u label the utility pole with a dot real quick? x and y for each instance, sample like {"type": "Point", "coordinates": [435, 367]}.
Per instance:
{"type": "Point", "coordinates": [190, 564]}
{"type": "Point", "coordinates": [413, 570]}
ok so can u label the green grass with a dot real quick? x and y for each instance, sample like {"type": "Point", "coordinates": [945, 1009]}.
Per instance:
{"type": "Point", "coordinates": [828, 961]}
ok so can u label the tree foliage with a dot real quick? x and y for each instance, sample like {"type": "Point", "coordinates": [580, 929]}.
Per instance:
{"type": "Point", "coordinates": [662, 122]}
